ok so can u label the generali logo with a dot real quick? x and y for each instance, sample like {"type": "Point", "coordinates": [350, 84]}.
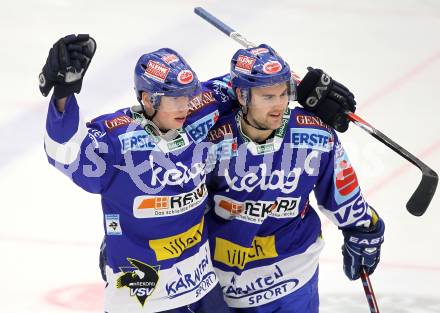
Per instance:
{"type": "Point", "coordinates": [117, 122]}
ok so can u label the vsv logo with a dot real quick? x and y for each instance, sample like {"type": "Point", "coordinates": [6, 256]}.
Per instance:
{"type": "Point", "coordinates": [140, 278]}
{"type": "Point", "coordinates": [350, 212]}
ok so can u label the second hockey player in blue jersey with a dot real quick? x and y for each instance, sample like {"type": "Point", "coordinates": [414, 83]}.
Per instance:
{"type": "Point", "coordinates": [264, 234]}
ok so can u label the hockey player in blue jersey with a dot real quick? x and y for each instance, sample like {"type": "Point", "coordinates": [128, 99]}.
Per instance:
{"type": "Point", "coordinates": [144, 163]}
{"type": "Point", "coordinates": [264, 235]}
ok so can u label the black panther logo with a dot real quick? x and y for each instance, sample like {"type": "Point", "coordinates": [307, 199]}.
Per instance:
{"type": "Point", "coordinates": [141, 279]}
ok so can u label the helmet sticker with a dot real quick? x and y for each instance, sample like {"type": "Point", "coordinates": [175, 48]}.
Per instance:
{"type": "Point", "coordinates": [185, 77]}
{"type": "Point", "coordinates": [170, 58]}
{"type": "Point", "coordinates": [258, 51]}
{"type": "Point", "coordinates": [272, 67]}
{"type": "Point", "coordinates": [258, 66]}
{"type": "Point", "coordinates": [244, 64]}
{"type": "Point", "coordinates": [156, 71]}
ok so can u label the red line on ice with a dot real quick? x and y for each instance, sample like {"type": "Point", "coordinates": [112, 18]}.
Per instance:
{"type": "Point", "coordinates": [400, 81]}
{"type": "Point", "coordinates": [401, 169]}
{"type": "Point", "coordinates": [394, 265]}
{"type": "Point", "coordinates": [44, 241]}
{"type": "Point", "coordinates": [83, 297]}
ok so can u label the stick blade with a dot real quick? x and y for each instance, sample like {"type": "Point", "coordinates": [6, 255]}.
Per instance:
{"type": "Point", "coordinates": [419, 201]}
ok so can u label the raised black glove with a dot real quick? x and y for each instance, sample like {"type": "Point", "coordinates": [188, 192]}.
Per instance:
{"type": "Point", "coordinates": [327, 98]}
{"type": "Point", "coordinates": [66, 65]}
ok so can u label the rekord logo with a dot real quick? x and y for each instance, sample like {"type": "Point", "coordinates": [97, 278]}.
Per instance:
{"type": "Point", "coordinates": [199, 280]}
{"type": "Point", "coordinates": [256, 211]}
{"type": "Point", "coordinates": [262, 289]}
{"type": "Point", "coordinates": [141, 279]}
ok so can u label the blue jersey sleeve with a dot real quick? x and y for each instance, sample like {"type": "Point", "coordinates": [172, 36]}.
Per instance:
{"type": "Point", "coordinates": [338, 192]}
{"type": "Point", "coordinates": [221, 89]}
{"type": "Point", "coordinates": [77, 149]}
{"type": "Point", "coordinates": [217, 99]}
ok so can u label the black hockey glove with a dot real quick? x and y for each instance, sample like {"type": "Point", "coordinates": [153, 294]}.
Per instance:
{"type": "Point", "coordinates": [66, 65]}
{"type": "Point", "coordinates": [327, 98]}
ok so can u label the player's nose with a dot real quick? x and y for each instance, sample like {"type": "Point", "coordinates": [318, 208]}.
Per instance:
{"type": "Point", "coordinates": [182, 105]}
{"type": "Point", "coordinates": [281, 102]}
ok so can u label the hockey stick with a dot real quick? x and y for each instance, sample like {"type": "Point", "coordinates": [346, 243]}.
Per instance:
{"type": "Point", "coordinates": [369, 293]}
{"type": "Point", "coordinates": [422, 196]}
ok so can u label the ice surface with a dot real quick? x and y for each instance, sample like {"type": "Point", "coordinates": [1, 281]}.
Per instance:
{"type": "Point", "coordinates": [387, 52]}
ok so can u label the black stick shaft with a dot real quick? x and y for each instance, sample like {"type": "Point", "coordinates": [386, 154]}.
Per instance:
{"type": "Point", "coordinates": [422, 196]}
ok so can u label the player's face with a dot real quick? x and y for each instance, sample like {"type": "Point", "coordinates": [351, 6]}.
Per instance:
{"type": "Point", "coordinates": [172, 112]}
{"type": "Point", "coordinates": [268, 105]}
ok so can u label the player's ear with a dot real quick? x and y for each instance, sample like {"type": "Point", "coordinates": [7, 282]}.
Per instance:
{"type": "Point", "coordinates": [240, 96]}
{"type": "Point", "coordinates": [145, 98]}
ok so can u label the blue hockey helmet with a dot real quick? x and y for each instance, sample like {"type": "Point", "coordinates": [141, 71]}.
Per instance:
{"type": "Point", "coordinates": [259, 67]}
{"type": "Point", "coordinates": [164, 73]}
